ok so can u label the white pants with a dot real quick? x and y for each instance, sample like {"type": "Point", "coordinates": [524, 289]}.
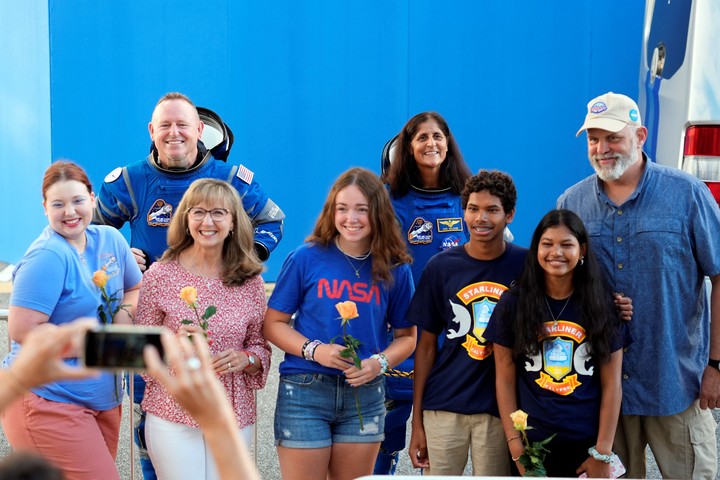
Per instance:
{"type": "Point", "coordinates": [179, 452]}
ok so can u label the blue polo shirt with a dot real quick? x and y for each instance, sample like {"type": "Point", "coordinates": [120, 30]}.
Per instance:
{"type": "Point", "coordinates": [656, 248]}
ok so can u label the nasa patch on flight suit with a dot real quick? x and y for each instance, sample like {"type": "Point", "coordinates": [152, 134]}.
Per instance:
{"type": "Point", "coordinates": [449, 242]}
{"type": "Point", "coordinates": [420, 232]}
{"type": "Point", "coordinates": [449, 225]}
{"type": "Point", "coordinates": [160, 214]}
{"type": "Point", "coordinates": [114, 175]}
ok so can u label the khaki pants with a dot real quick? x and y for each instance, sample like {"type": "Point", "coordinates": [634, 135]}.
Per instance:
{"type": "Point", "coordinates": [684, 445]}
{"type": "Point", "coordinates": [450, 436]}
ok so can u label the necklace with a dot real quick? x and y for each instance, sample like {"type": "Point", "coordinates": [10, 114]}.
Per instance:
{"type": "Point", "coordinates": [555, 319]}
{"type": "Point", "coordinates": [80, 249]}
{"type": "Point", "coordinates": [362, 258]}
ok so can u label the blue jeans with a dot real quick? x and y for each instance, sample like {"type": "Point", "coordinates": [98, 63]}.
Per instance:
{"type": "Point", "coordinates": [316, 410]}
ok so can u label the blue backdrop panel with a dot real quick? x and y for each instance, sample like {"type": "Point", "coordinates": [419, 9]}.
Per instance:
{"type": "Point", "coordinates": [312, 88]}
{"type": "Point", "coordinates": [24, 122]}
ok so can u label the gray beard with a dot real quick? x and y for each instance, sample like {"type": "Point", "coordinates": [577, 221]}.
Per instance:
{"type": "Point", "coordinates": [622, 163]}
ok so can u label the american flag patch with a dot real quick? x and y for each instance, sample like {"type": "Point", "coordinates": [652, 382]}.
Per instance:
{"type": "Point", "coordinates": [244, 174]}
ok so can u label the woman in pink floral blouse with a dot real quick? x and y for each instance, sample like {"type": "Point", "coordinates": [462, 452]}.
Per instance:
{"type": "Point", "coordinates": [211, 250]}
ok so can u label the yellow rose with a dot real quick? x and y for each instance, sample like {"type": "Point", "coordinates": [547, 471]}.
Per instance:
{"type": "Point", "coordinates": [519, 419]}
{"type": "Point", "coordinates": [189, 294]}
{"type": "Point", "coordinates": [100, 278]}
{"type": "Point", "coordinates": [347, 310]}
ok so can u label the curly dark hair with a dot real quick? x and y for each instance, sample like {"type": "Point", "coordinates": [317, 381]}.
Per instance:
{"type": "Point", "coordinates": [497, 183]}
{"type": "Point", "coordinates": [403, 171]}
{"type": "Point", "coordinates": [591, 294]}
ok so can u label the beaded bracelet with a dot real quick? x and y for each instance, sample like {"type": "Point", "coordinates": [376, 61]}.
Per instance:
{"type": "Point", "coordinates": [592, 451]}
{"type": "Point", "coordinates": [305, 349]}
{"type": "Point", "coordinates": [382, 359]}
{"type": "Point", "coordinates": [512, 438]}
{"type": "Point", "coordinates": [302, 349]}
{"type": "Point", "coordinates": [309, 351]}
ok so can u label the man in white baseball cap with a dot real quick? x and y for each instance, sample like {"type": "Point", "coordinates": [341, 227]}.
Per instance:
{"type": "Point", "coordinates": [611, 112]}
{"type": "Point", "coordinates": [654, 229]}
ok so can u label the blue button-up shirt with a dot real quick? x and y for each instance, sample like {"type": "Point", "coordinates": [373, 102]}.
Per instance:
{"type": "Point", "coordinates": [656, 248]}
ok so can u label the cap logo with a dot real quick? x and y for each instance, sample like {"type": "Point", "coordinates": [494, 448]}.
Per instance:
{"type": "Point", "coordinates": [633, 115]}
{"type": "Point", "coordinates": [598, 107]}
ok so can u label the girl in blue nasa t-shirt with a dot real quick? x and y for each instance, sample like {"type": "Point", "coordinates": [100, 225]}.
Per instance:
{"type": "Point", "coordinates": [354, 254]}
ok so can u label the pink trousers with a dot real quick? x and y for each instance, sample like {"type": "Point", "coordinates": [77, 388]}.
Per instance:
{"type": "Point", "coordinates": [80, 441]}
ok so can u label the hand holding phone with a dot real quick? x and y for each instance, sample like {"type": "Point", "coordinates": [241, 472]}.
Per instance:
{"type": "Point", "coordinates": [120, 347]}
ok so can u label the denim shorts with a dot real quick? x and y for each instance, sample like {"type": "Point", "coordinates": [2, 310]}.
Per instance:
{"type": "Point", "coordinates": [316, 410]}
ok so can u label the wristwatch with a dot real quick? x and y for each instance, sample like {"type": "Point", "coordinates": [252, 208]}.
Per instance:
{"type": "Point", "coordinates": [251, 361]}
{"type": "Point", "coordinates": [714, 363]}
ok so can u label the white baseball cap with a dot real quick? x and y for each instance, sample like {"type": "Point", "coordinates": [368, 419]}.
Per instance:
{"type": "Point", "coordinates": [611, 112]}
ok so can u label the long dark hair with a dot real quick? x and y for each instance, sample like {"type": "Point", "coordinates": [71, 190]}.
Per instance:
{"type": "Point", "coordinates": [590, 294]}
{"type": "Point", "coordinates": [403, 171]}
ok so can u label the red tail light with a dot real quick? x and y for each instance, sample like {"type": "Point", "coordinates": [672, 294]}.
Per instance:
{"type": "Point", "coordinates": [702, 155]}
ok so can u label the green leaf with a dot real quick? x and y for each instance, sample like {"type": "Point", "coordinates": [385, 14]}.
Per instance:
{"type": "Point", "coordinates": [209, 312]}
{"type": "Point", "coordinates": [351, 342]}
{"type": "Point", "coordinates": [102, 315]}
{"type": "Point", "coordinates": [540, 444]}
{"type": "Point", "coordinates": [356, 360]}
{"type": "Point", "coordinates": [186, 322]}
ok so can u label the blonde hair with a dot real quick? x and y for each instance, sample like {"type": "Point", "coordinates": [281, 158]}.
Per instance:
{"type": "Point", "coordinates": [240, 261]}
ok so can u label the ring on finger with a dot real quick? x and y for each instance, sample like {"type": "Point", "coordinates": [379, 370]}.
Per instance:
{"type": "Point", "coordinates": [193, 363]}
{"type": "Point", "coordinates": [229, 365]}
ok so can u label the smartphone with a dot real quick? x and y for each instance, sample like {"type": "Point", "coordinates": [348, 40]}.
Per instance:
{"type": "Point", "coordinates": [120, 347]}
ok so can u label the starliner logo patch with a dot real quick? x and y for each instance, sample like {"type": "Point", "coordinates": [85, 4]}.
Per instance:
{"type": "Point", "coordinates": [420, 232]}
{"type": "Point", "coordinates": [160, 214]}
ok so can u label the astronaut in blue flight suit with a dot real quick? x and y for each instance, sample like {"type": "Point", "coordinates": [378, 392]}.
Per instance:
{"type": "Point", "coordinates": [146, 194]}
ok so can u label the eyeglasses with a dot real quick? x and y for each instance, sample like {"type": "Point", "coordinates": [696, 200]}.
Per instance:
{"type": "Point", "coordinates": [216, 214]}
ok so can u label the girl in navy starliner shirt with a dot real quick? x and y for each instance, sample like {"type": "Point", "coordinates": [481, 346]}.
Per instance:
{"type": "Point", "coordinates": [558, 351]}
